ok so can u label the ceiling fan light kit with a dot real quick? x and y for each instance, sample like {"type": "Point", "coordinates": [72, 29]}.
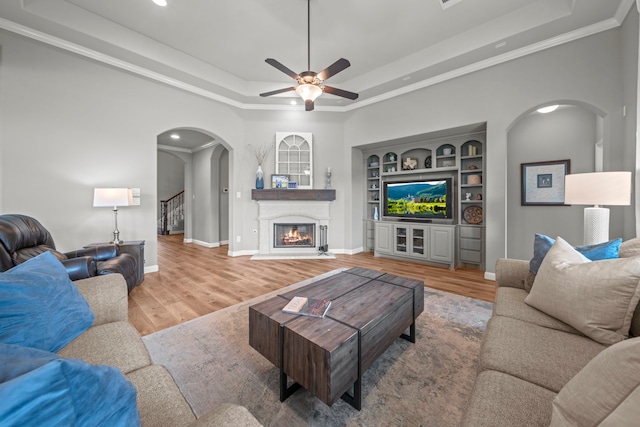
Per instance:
{"type": "Point", "coordinates": [309, 82]}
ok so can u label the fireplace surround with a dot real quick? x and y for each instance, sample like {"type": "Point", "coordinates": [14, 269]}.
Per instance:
{"type": "Point", "coordinates": [302, 207]}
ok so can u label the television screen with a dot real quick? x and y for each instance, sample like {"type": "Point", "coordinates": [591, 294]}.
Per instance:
{"type": "Point", "coordinates": [424, 199]}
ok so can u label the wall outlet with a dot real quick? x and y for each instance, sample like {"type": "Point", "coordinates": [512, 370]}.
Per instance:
{"type": "Point", "coordinates": [238, 239]}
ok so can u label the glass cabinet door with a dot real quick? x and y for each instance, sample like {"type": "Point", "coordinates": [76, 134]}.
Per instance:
{"type": "Point", "coordinates": [401, 239]}
{"type": "Point", "coordinates": [417, 241]}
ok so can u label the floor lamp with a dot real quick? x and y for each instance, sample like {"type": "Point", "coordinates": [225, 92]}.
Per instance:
{"type": "Point", "coordinates": [113, 197]}
{"type": "Point", "coordinates": [597, 189]}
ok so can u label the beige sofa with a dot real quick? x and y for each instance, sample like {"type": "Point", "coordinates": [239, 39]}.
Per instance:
{"type": "Point", "coordinates": [529, 364]}
{"type": "Point", "coordinates": [113, 341]}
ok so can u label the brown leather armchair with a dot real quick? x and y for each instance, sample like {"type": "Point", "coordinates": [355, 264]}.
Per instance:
{"type": "Point", "coordinates": [23, 237]}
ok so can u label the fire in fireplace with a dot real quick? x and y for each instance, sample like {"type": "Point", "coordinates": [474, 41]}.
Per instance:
{"type": "Point", "coordinates": [294, 235]}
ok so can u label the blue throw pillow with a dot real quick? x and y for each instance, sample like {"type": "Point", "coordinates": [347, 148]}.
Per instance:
{"type": "Point", "coordinates": [600, 251]}
{"type": "Point", "coordinates": [37, 388]}
{"type": "Point", "coordinates": [39, 305]}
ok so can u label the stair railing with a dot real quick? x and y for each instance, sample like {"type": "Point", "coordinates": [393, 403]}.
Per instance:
{"type": "Point", "coordinates": [171, 212]}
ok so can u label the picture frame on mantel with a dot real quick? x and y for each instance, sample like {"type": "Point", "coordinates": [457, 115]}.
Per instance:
{"type": "Point", "coordinates": [542, 183]}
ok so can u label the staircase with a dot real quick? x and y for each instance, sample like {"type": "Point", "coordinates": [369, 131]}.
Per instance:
{"type": "Point", "coordinates": [171, 215]}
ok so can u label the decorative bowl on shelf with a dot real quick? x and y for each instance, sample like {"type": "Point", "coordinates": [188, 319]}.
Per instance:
{"type": "Point", "coordinates": [473, 214]}
{"type": "Point", "coordinates": [474, 179]}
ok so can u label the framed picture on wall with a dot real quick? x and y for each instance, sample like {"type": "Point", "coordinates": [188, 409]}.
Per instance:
{"type": "Point", "coordinates": [542, 183]}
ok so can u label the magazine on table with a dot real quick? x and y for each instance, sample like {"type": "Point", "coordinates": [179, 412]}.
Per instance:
{"type": "Point", "coordinates": [307, 306]}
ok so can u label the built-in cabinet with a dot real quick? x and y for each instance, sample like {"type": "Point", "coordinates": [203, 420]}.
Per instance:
{"type": "Point", "coordinates": [458, 241]}
{"type": "Point", "coordinates": [432, 243]}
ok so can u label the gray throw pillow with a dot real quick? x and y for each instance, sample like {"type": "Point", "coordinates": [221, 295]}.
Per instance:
{"type": "Point", "coordinates": [597, 298]}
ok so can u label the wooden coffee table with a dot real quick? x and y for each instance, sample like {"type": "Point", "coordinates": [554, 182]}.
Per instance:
{"type": "Point", "coordinates": [327, 356]}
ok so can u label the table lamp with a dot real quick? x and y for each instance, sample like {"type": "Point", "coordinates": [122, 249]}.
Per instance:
{"type": "Point", "coordinates": [113, 197]}
{"type": "Point", "coordinates": [597, 189]}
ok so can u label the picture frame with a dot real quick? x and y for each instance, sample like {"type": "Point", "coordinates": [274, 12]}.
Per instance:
{"type": "Point", "coordinates": [542, 183]}
{"type": "Point", "coordinates": [279, 181]}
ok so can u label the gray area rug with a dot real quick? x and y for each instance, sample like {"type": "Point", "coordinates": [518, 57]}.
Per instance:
{"type": "Point", "coordinates": [422, 384]}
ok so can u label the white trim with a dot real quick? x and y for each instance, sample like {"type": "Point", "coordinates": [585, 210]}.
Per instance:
{"type": "Point", "coordinates": [517, 53]}
{"type": "Point", "coordinates": [242, 253]}
{"type": "Point", "coordinates": [348, 251]}
{"type": "Point", "coordinates": [151, 269]}
{"type": "Point", "coordinates": [206, 244]}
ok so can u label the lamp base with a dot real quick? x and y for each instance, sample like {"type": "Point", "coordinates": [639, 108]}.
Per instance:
{"type": "Point", "coordinates": [596, 225]}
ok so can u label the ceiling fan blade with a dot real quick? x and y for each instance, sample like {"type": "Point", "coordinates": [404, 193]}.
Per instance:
{"type": "Point", "coordinates": [275, 92]}
{"type": "Point", "coordinates": [334, 69]}
{"type": "Point", "coordinates": [308, 105]}
{"type": "Point", "coordinates": [340, 92]}
{"type": "Point", "coordinates": [281, 67]}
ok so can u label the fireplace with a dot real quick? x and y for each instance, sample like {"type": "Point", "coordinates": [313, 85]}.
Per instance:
{"type": "Point", "coordinates": [294, 235]}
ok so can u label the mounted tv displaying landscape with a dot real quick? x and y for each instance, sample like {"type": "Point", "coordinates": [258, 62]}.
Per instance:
{"type": "Point", "coordinates": [418, 200]}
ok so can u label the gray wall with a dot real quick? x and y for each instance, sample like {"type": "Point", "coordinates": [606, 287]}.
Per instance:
{"type": "Point", "coordinates": [79, 124]}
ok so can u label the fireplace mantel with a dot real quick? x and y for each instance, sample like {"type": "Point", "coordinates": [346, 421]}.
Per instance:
{"type": "Point", "coordinates": [294, 195]}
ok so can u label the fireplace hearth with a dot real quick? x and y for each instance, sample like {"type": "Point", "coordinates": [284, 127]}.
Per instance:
{"type": "Point", "coordinates": [294, 235]}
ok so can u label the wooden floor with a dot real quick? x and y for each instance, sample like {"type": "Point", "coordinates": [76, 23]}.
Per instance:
{"type": "Point", "coordinates": [193, 280]}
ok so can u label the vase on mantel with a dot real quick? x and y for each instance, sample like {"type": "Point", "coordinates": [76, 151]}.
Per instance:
{"type": "Point", "coordinates": [259, 178]}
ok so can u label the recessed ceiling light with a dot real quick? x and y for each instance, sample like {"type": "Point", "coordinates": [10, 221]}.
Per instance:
{"type": "Point", "coordinates": [293, 102]}
{"type": "Point", "coordinates": [160, 2]}
{"type": "Point", "coordinates": [175, 136]}
{"type": "Point", "coordinates": [547, 109]}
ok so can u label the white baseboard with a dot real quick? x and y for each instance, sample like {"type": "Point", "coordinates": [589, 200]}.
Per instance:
{"type": "Point", "coordinates": [242, 253]}
{"type": "Point", "coordinates": [206, 244]}
{"type": "Point", "coordinates": [490, 276]}
{"type": "Point", "coordinates": [151, 269]}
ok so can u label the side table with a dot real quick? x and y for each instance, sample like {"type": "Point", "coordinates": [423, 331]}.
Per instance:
{"type": "Point", "coordinates": [135, 248]}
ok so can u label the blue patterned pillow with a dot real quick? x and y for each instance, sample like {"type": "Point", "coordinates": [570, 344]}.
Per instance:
{"type": "Point", "coordinates": [38, 388]}
{"type": "Point", "coordinates": [39, 305]}
{"type": "Point", "coordinates": [600, 251]}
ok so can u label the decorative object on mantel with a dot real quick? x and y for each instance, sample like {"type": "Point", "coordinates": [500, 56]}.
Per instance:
{"type": "Point", "coordinates": [280, 181]}
{"type": "Point", "coordinates": [261, 152]}
{"type": "Point", "coordinates": [328, 178]}
{"type": "Point", "coordinates": [409, 164]}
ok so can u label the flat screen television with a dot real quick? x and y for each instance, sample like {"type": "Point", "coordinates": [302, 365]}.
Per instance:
{"type": "Point", "coordinates": [419, 200]}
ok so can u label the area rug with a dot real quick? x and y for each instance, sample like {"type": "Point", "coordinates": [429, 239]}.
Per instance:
{"type": "Point", "coordinates": [422, 384]}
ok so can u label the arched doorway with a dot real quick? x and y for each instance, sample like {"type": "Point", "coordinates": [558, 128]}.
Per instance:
{"type": "Point", "coordinates": [198, 162]}
{"type": "Point", "coordinates": [575, 132]}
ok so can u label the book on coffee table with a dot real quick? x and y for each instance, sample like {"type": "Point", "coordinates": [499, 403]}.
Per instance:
{"type": "Point", "coordinates": [307, 306]}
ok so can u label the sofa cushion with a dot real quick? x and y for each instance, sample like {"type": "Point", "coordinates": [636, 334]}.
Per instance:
{"type": "Point", "coordinates": [606, 392]}
{"type": "Point", "coordinates": [543, 356]}
{"type": "Point", "coordinates": [39, 305]}
{"type": "Point", "coordinates": [115, 344]}
{"type": "Point", "coordinates": [597, 298]}
{"type": "Point", "coordinates": [499, 399]}
{"type": "Point", "coordinates": [38, 388]}
{"type": "Point", "coordinates": [159, 399]}
{"type": "Point", "coordinates": [510, 303]}
{"type": "Point", "coordinates": [597, 252]}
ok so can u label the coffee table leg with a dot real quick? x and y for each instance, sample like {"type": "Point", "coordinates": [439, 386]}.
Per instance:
{"type": "Point", "coordinates": [356, 399]}
{"type": "Point", "coordinates": [285, 391]}
{"type": "Point", "coordinates": [412, 333]}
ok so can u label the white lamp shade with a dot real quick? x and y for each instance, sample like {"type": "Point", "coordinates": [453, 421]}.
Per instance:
{"type": "Point", "coordinates": [598, 188]}
{"type": "Point", "coordinates": [112, 197]}
{"type": "Point", "coordinates": [308, 92]}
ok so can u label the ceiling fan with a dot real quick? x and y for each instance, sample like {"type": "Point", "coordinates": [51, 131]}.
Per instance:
{"type": "Point", "coordinates": [309, 81]}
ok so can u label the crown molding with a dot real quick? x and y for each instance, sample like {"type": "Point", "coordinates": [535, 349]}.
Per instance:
{"type": "Point", "coordinates": [480, 65]}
